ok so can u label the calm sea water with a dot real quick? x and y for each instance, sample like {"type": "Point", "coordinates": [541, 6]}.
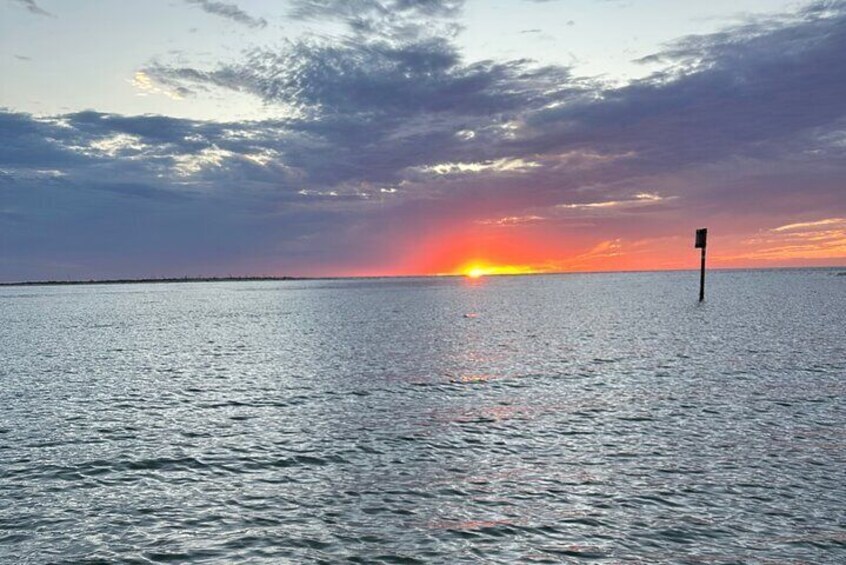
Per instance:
{"type": "Point", "coordinates": [550, 419]}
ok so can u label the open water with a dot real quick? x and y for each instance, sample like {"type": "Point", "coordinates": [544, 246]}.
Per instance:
{"type": "Point", "coordinates": [604, 418]}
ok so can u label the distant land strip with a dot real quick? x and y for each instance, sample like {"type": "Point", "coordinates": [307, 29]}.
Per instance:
{"type": "Point", "coordinates": [161, 280]}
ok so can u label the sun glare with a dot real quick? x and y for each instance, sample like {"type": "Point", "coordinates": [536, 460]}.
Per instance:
{"type": "Point", "coordinates": [477, 270]}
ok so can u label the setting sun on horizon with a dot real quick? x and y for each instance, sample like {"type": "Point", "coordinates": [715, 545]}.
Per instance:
{"type": "Point", "coordinates": [477, 269]}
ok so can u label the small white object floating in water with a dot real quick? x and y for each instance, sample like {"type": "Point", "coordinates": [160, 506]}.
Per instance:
{"type": "Point", "coordinates": [471, 315]}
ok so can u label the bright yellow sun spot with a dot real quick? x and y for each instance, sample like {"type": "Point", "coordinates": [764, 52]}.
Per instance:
{"type": "Point", "coordinates": [476, 270]}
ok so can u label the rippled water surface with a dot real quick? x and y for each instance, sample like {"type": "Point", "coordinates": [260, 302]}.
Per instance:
{"type": "Point", "coordinates": [549, 419]}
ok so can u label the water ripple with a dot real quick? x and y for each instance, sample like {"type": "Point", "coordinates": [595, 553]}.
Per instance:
{"type": "Point", "coordinates": [571, 419]}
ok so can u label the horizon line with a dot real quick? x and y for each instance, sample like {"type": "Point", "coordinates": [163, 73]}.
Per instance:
{"type": "Point", "coordinates": [283, 278]}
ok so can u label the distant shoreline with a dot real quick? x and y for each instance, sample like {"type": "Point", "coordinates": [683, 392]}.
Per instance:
{"type": "Point", "coordinates": [171, 280]}
{"type": "Point", "coordinates": [152, 281]}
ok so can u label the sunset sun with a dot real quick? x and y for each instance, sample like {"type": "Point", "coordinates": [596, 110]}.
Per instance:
{"type": "Point", "coordinates": [476, 269]}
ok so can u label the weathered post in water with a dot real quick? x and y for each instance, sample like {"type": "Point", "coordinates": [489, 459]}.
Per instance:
{"type": "Point", "coordinates": [701, 242]}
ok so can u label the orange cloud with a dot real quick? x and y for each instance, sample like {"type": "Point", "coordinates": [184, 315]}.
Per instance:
{"type": "Point", "coordinates": [537, 244]}
{"type": "Point", "coordinates": [819, 239]}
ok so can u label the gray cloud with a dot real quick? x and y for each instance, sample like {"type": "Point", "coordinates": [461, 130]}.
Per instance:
{"type": "Point", "coordinates": [382, 106]}
{"type": "Point", "coordinates": [388, 19]}
{"type": "Point", "coordinates": [230, 11]}
{"type": "Point", "coordinates": [336, 9]}
{"type": "Point", "coordinates": [33, 8]}
{"type": "Point", "coordinates": [742, 91]}
{"type": "Point", "coordinates": [747, 90]}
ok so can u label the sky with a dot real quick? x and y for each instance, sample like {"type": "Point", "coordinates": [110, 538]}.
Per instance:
{"type": "Point", "coordinates": [404, 137]}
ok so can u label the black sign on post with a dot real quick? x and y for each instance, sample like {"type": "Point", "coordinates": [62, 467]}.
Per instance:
{"type": "Point", "coordinates": [701, 242]}
{"type": "Point", "coordinates": [701, 238]}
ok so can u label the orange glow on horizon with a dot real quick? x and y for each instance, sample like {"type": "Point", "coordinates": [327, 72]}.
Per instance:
{"type": "Point", "coordinates": [478, 251]}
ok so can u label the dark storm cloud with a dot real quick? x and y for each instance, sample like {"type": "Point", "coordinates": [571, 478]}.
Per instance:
{"type": "Point", "coordinates": [229, 11]}
{"type": "Point", "coordinates": [33, 8]}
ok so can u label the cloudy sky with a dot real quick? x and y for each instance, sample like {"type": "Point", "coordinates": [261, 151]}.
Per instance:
{"type": "Point", "coordinates": [370, 137]}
